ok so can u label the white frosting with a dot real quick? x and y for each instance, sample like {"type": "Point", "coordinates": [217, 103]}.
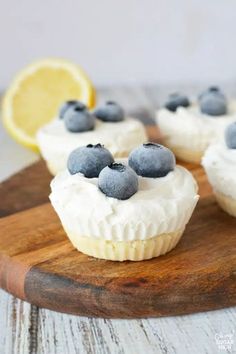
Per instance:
{"type": "Point", "coordinates": [191, 129]}
{"type": "Point", "coordinates": [220, 165]}
{"type": "Point", "coordinates": [161, 205]}
{"type": "Point", "coordinates": [56, 142]}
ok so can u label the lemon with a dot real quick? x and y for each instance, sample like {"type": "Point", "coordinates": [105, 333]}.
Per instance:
{"type": "Point", "coordinates": [36, 94]}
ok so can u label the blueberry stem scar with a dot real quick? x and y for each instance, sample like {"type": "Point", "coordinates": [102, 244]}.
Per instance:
{"type": "Point", "coordinates": [94, 146]}
{"type": "Point", "coordinates": [117, 166]}
{"type": "Point", "coordinates": [157, 146]}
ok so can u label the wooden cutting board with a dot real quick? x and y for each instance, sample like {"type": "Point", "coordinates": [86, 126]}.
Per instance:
{"type": "Point", "coordinates": [38, 263]}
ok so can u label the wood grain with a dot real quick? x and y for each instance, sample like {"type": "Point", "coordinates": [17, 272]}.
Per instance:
{"type": "Point", "coordinates": [198, 275]}
{"type": "Point", "coordinates": [28, 188]}
{"type": "Point", "coordinates": [26, 329]}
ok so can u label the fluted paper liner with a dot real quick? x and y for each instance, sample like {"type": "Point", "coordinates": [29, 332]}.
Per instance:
{"type": "Point", "coordinates": [136, 250]}
{"type": "Point", "coordinates": [187, 146]}
{"type": "Point", "coordinates": [52, 168]}
{"type": "Point", "coordinates": [185, 154]}
{"type": "Point", "coordinates": [227, 203]}
{"type": "Point", "coordinates": [126, 232]}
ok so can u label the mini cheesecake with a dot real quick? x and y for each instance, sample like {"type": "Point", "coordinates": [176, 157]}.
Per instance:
{"type": "Point", "coordinates": [130, 209]}
{"type": "Point", "coordinates": [188, 128]}
{"type": "Point", "coordinates": [219, 163]}
{"type": "Point", "coordinates": [77, 126]}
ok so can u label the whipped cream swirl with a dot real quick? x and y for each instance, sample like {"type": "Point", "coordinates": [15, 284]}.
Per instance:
{"type": "Point", "coordinates": [190, 128]}
{"type": "Point", "coordinates": [161, 205]}
{"type": "Point", "coordinates": [56, 142]}
{"type": "Point", "coordinates": [220, 164]}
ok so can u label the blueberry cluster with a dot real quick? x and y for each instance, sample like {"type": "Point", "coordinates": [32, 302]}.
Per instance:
{"type": "Point", "coordinates": [212, 102]}
{"type": "Point", "coordinates": [78, 118]}
{"type": "Point", "coordinates": [117, 180]}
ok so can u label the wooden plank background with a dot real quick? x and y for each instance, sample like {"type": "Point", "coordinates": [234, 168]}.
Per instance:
{"type": "Point", "coordinates": [28, 329]}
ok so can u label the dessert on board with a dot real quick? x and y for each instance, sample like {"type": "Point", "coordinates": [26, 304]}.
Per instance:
{"type": "Point", "coordinates": [219, 163]}
{"type": "Point", "coordinates": [188, 127]}
{"type": "Point", "coordinates": [133, 208]}
{"type": "Point", "coordinates": [77, 126]}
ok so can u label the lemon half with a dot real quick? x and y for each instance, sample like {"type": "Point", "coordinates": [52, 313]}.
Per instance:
{"type": "Point", "coordinates": [36, 94]}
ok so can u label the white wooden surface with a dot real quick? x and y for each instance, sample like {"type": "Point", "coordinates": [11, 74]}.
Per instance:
{"type": "Point", "coordinates": [26, 329]}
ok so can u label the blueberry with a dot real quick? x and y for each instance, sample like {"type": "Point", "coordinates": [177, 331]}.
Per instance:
{"type": "Point", "coordinates": [89, 160]}
{"type": "Point", "coordinates": [79, 119]}
{"type": "Point", "coordinates": [213, 104]}
{"type": "Point", "coordinates": [152, 160]}
{"type": "Point", "coordinates": [230, 136]}
{"type": "Point", "coordinates": [110, 112]}
{"type": "Point", "coordinates": [212, 89]}
{"type": "Point", "coordinates": [68, 104]}
{"type": "Point", "coordinates": [118, 181]}
{"type": "Point", "coordinates": [176, 100]}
